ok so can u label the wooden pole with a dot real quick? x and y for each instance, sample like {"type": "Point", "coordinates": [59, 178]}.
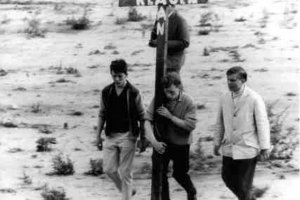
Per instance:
{"type": "Point", "coordinates": [161, 53]}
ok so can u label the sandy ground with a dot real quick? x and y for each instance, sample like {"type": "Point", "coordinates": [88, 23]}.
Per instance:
{"type": "Point", "coordinates": [261, 36]}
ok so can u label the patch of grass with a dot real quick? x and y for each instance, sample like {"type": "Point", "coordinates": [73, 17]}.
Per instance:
{"type": "Point", "coordinates": [44, 144]}
{"type": "Point", "coordinates": [205, 52]}
{"type": "Point", "coordinates": [15, 150]}
{"type": "Point", "coordinates": [236, 56]}
{"type": "Point", "coordinates": [76, 113]}
{"type": "Point", "coordinates": [209, 21]}
{"type": "Point", "coordinates": [201, 106]}
{"type": "Point", "coordinates": [62, 166]}
{"type": "Point", "coordinates": [291, 94]}
{"type": "Point", "coordinates": [134, 16]}
{"type": "Point", "coordinates": [144, 170]}
{"type": "Point", "coordinates": [45, 129]}
{"type": "Point", "coordinates": [120, 21]}
{"type": "Point", "coordinates": [110, 47]}
{"type": "Point", "coordinates": [36, 108]}
{"type": "Point", "coordinates": [7, 190]}
{"type": "Point", "coordinates": [80, 23]}
{"type": "Point", "coordinates": [259, 192]}
{"type": "Point", "coordinates": [284, 142]}
{"type": "Point", "coordinates": [54, 194]}
{"type": "Point", "coordinates": [264, 20]}
{"type": "Point", "coordinates": [34, 28]}
{"type": "Point", "coordinates": [261, 70]}
{"type": "Point", "coordinates": [26, 179]}
{"type": "Point", "coordinates": [198, 157]}
{"type": "Point", "coordinates": [3, 72]}
{"type": "Point", "coordinates": [240, 19]}
{"type": "Point", "coordinates": [4, 20]}
{"type": "Point", "coordinates": [96, 167]}
{"type": "Point", "coordinates": [63, 80]}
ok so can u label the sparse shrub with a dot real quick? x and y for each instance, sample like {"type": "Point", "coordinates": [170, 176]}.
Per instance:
{"type": "Point", "coordinates": [45, 129]}
{"type": "Point", "coordinates": [259, 192]}
{"type": "Point", "coordinates": [110, 47]}
{"type": "Point", "coordinates": [62, 166]}
{"type": "Point", "coordinates": [26, 179]}
{"type": "Point", "coordinates": [240, 19]}
{"type": "Point", "coordinates": [5, 20]}
{"type": "Point", "coordinates": [3, 72]}
{"type": "Point", "coordinates": [236, 56]}
{"type": "Point", "coordinates": [54, 194]}
{"type": "Point", "coordinates": [63, 80]}
{"type": "Point", "coordinates": [58, 7]}
{"type": "Point", "coordinates": [143, 171]}
{"type": "Point", "coordinates": [44, 144]}
{"type": "Point", "coordinates": [120, 21]}
{"type": "Point", "coordinates": [291, 94]}
{"type": "Point", "coordinates": [205, 52]}
{"type": "Point", "coordinates": [34, 28]}
{"type": "Point", "coordinates": [15, 150]}
{"type": "Point", "coordinates": [197, 157]}
{"type": "Point", "coordinates": [96, 167]}
{"type": "Point", "coordinates": [284, 143]}
{"type": "Point", "coordinates": [276, 121]}
{"type": "Point", "coordinates": [208, 22]}
{"type": "Point", "coordinates": [201, 106]}
{"type": "Point", "coordinates": [76, 113]}
{"type": "Point", "coordinates": [36, 108]}
{"type": "Point", "coordinates": [134, 16]}
{"type": "Point", "coordinates": [7, 190]}
{"type": "Point", "coordinates": [264, 20]}
{"type": "Point", "coordinates": [80, 23]}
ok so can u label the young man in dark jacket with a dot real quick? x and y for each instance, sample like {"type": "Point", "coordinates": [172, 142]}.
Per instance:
{"type": "Point", "coordinates": [179, 112]}
{"type": "Point", "coordinates": [178, 39]}
{"type": "Point", "coordinates": [122, 112]}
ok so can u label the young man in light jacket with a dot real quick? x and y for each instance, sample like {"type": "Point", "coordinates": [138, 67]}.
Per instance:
{"type": "Point", "coordinates": [242, 133]}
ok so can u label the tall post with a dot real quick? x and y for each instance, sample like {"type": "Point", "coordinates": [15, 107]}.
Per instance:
{"type": "Point", "coordinates": [161, 53]}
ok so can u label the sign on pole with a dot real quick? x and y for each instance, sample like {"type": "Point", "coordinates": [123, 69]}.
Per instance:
{"type": "Point", "coordinates": [157, 2]}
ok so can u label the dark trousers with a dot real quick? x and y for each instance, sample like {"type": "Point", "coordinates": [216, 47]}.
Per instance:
{"type": "Point", "coordinates": [179, 154]}
{"type": "Point", "coordinates": [238, 176]}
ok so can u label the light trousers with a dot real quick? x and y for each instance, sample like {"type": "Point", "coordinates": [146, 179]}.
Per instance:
{"type": "Point", "coordinates": [118, 157]}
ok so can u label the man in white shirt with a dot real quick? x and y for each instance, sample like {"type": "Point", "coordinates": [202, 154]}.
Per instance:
{"type": "Point", "coordinates": [242, 133]}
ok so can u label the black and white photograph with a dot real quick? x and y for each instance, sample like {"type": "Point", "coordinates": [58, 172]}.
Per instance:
{"type": "Point", "coordinates": [149, 100]}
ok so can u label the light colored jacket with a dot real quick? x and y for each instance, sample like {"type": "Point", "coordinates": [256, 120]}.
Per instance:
{"type": "Point", "coordinates": [242, 130]}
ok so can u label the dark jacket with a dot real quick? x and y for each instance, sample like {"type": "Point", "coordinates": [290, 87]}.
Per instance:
{"type": "Point", "coordinates": [178, 40]}
{"type": "Point", "coordinates": [135, 107]}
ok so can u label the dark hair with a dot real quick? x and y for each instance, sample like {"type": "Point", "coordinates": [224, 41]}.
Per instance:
{"type": "Point", "coordinates": [118, 66]}
{"type": "Point", "coordinates": [241, 72]}
{"type": "Point", "coordinates": [172, 78]}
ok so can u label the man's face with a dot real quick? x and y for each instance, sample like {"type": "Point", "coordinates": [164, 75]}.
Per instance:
{"type": "Point", "coordinates": [234, 83]}
{"type": "Point", "coordinates": [172, 92]}
{"type": "Point", "coordinates": [119, 78]}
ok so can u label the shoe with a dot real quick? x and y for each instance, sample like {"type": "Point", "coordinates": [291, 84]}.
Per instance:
{"type": "Point", "coordinates": [133, 192]}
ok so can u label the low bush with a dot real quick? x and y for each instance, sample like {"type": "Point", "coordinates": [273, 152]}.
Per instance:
{"type": "Point", "coordinates": [54, 194]}
{"type": "Point", "coordinates": [96, 167]}
{"type": "Point", "coordinates": [44, 144]}
{"type": "Point", "coordinates": [34, 28]}
{"type": "Point", "coordinates": [134, 16]}
{"type": "Point", "coordinates": [284, 141]}
{"type": "Point", "coordinates": [62, 166]}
